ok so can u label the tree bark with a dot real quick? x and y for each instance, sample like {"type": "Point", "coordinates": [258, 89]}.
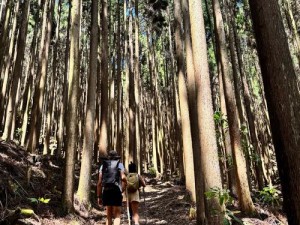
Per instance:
{"type": "Point", "coordinates": [208, 146]}
{"type": "Point", "coordinates": [186, 101]}
{"type": "Point", "coordinates": [103, 139]}
{"type": "Point", "coordinates": [5, 30]}
{"type": "Point", "coordinates": [136, 87]}
{"type": "Point", "coordinates": [73, 97]}
{"type": "Point", "coordinates": [7, 81]}
{"type": "Point", "coordinates": [245, 200]}
{"type": "Point", "coordinates": [88, 143]}
{"type": "Point", "coordinates": [282, 94]}
{"type": "Point", "coordinates": [64, 101]}
{"type": "Point", "coordinates": [119, 82]}
{"type": "Point", "coordinates": [38, 99]}
{"type": "Point", "coordinates": [53, 78]}
{"type": "Point", "coordinates": [132, 103]}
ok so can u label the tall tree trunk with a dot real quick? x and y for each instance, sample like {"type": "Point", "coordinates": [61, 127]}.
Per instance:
{"type": "Point", "coordinates": [73, 97]}
{"type": "Point", "coordinates": [64, 101]}
{"type": "Point", "coordinates": [293, 27]}
{"type": "Point", "coordinates": [248, 101]}
{"type": "Point", "coordinates": [136, 87]}
{"type": "Point", "coordinates": [97, 118]}
{"type": "Point", "coordinates": [112, 91]}
{"type": "Point", "coordinates": [8, 62]}
{"type": "Point", "coordinates": [3, 6]}
{"type": "Point", "coordinates": [53, 78]}
{"type": "Point", "coordinates": [178, 142]}
{"type": "Point", "coordinates": [38, 99]}
{"type": "Point", "coordinates": [239, 94]}
{"type": "Point", "coordinates": [232, 179]}
{"type": "Point", "coordinates": [183, 96]}
{"type": "Point", "coordinates": [153, 95]}
{"type": "Point", "coordinates": [282, 94]}
{"type": "Point", "coordinates": [245, 200]}
{"type": "Point", "coordinates": [119, 82]}
{"type": "Point", "coordinates": [126, 86]}
{"type": "Point", "coordinates": [5, 30]}
{"type": "Point", "coordinates": [88, 143]}
{"type": "Point", "coordinates": [208, 146]}
{"type": "Point", "coordinates": [30, 71]}
{"type": "Point", "coordinates": [103, 139]}
{"type": "Point", "coordinates": [132, 106]}
{"type": "Point", "coordinates": [17, 72]}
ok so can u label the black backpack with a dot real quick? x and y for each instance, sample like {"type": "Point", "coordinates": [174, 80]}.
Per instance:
{"type": "Point", "coordinates": [110, 173]}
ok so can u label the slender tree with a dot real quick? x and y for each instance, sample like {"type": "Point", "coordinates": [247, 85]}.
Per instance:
{"type": "Point", "coordinates": [72, 119]}
{"type": "Point", "coordinates": [63, 103]}
{"type": "Point", "coordinates": [137, 85]}
{"type": "Point", "coordinates": [5, 72]}
{"type": "Point", "coordinates": [132, 103]}
{"type": "Point", "coordinates": [3, 4]}
{"type": "Point", "coordinates": [119, 83]}
{"type": "Point", "coordinates": [126, 86]}
{"type": "Point", "coordinates": [183, 98]}
{"type": "Point", "coordinates": [207, 136]}
{"type": "Point", "coordinates": [38, 98]}
{"type": "Point", "coordinates": [53, 78]}
{"type": "Point", "coordinates": [103, 138]}
{"type": "Point", "coordinates": [30, 72]}
{"type": "Point", "coordinates": [5, 30]}
{"type": "Point", "coordinates": [245, 200]}
{"type": "Point", "coordinates": [88, 143]}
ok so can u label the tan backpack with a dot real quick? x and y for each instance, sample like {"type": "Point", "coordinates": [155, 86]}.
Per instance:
{"type": "Point", "coordinates": [133, 182]}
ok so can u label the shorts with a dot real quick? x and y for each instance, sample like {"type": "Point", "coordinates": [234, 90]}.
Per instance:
{"type": "Point", "coordinates": [134, 196]}
{"type": "Point", "coordinates": [112, 196]}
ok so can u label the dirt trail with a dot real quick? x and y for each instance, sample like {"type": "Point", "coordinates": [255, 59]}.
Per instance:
{"type": "Point", "coordinates": [23, 180]}
{"type": "Point", "coordinates": [164, 203]}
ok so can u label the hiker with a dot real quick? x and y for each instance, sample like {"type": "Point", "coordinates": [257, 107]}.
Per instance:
{"type": "Point", "coordinates": [111, 184]}
{"type": "Point", "coordinates": [134, 182]}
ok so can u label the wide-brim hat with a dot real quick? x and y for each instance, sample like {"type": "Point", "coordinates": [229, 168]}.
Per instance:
{"type": "Point", "coordinates": [113, 154]}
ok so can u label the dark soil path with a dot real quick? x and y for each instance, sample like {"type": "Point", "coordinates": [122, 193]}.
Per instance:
{"type": "Point", "coordinates": [24, 179]}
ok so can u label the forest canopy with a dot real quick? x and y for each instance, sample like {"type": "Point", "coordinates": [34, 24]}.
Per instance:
{"type": "Point", "coordinates": [204, 93]}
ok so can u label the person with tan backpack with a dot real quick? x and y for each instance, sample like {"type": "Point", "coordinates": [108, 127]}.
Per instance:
{"type": "Point", "coordinates": [134, 182]}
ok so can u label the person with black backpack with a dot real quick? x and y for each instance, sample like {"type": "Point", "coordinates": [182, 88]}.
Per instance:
{"type": "Point", "coordinates": [112, 182]}
{"type": "Point", "coordinates": [134, 182]}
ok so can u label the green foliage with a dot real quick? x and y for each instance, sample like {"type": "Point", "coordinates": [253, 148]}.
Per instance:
{"type": "Point", "coordinates": [255, 157]}
{"type": "Point", "coordinates": [152, 171]}
{"type": "Point", "coordinates": [244, 129]}
{"type": "Point", "coordinates": [211, 58]}
{"type": "Point", "coordinates": [18, 133]}
{"type": "Point", "coordinates": [269, 195]}
{"type": "Point", "coordinates": [229, 217]}
{"type": "Point", "coordinates": [256, 86]}
{"type": "Point", "coordinates": [225, 200]}
{"type": "Point", "coordinates": [39, 200]}
{"type": "Point", "coordinates": [27, 212]}
{"type": "Point", "coordinates": [33, 200]}
{"type": "Point", "coordinates": [222, 195]}
{"type": "Point", "coordinates": [229, 159]}
{"type": "Point", "coordinates": [220, 119]}
{"type": "Point", "coordinates": [246, 146]}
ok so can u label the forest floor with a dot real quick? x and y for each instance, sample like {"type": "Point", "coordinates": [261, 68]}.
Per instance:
{"type": "Point", "coordinates": [29, 182]}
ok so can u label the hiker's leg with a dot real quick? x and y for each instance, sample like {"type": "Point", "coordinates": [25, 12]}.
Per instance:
{"type": "Point", "coordinates": [117, 215]}
{"type": "Point", "coordinates": [135, 211]}
{"type": "Point", "coordinates": [109, 214]}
